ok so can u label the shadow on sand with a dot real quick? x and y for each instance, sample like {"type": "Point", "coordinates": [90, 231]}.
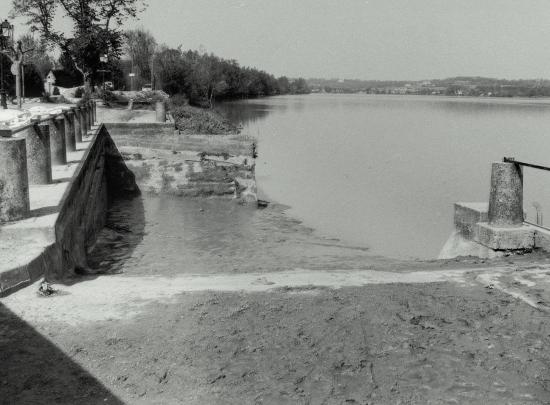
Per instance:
{"type": "Point", "coordinates": [34, 371]}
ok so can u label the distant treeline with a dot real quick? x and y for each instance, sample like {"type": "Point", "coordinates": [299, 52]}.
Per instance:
{"type": "Point", "coordinates": [462, 85]}
{"type": "Point", "coordinates": [203, 78]}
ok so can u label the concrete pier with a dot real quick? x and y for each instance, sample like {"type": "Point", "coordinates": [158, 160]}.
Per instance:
{"type": "Point", "coordinates": [89, 115]}
{"type": "Point", "coordinates": [14, 182]}
{"type": "Point", "coordinates": [506, 196]}
{"type": "Point", "coordinates": [78, 124]}
{"type": "Point", "coordinates": [39, 160]}
{"type": "Point", "coordinates": [70, 140]}
{"type": "Point", "coordinates": [84, 121]}
{"type": "Point", "coordinates": [57, 140]}
{"type": "Point", "coordinates": [160, 110]}
{"type": "Point", "coordinates": [498, 225]}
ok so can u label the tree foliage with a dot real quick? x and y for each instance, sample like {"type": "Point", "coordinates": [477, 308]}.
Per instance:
{"type": "Point", "coordinates": [96, 27]}
{"type": "Point", "coordinates": [204, 77]}
{"type": "Point", "coordinates": [36, 54]}
{"type": "Point", "coordinates": [140, 46]}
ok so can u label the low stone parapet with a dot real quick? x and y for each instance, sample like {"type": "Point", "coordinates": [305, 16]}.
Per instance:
{"type": "Point", "coordinates": [188, 165]}
{"type": "Point", "coordinates": [53, 242]}
{"type": "Point", "coordinates": [467, 216]}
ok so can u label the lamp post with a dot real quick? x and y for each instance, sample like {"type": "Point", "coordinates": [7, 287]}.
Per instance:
{"type": "Point", "coordinates": [104, 59]}
{"type": "Point", "coordinates": [6, 39]}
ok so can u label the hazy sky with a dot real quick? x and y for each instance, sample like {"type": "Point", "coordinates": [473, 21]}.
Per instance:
{"type": "Point", "coordinates": [366, 39]}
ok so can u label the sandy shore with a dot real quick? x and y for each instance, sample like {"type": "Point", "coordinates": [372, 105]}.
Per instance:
{"type": "Point", "coordinates": [442, 338]}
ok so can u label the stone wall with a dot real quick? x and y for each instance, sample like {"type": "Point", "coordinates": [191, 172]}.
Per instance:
{"type": "Point", "coordinates": [101, 175]}
{"type": "Point", "coordinates": [188, 165]}
{"type": "Point", "coordinates": [138, 131]}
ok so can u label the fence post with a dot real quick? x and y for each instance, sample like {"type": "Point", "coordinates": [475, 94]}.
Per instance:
{"type": "Point", "coordinates": [160, 109]}
{"type": "Point", "coordinates": [70, 140]}
{"type": "Point", "coordinates": [39, 160]}
{"type": "Point", "coordinates": [78, 124]}
{"type": "Point", "coordinates": [89, 115]}
{"type": "Point", "coordinates": [57, 139]}
{"type": "Point", "coordinates": [14, 181]}
{"type": "Point", "coordinates": [506, 197]}
{"type": "Point", "coordinates": [84, 121]}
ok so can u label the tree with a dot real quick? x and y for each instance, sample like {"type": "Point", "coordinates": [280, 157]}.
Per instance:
{"type": "Point", "coordinates": [140, 46]}
{"type": "Point", "coordinates": [173, 70]}
{"type": "Point", "coordinates": [37, 54]}
{"type": "Point", "coordinates": [299, 86]}
{"type": "Point", "coordinates": [95, 29]}
{"type": "Point", "coordinates": [284, 85]}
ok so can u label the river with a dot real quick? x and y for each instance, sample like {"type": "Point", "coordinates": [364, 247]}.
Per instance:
{"type": "Point", "coordinates": [383, 172]}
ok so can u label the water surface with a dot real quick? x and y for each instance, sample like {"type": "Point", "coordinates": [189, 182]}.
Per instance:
{"type": "Point", "coordinates": [384, 171]}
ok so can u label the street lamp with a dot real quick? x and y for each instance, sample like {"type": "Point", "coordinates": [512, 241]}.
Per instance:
{"type": "Point", "coordinates": [6, 39]}
{"type": "Point", "coordinates": [104, 59]}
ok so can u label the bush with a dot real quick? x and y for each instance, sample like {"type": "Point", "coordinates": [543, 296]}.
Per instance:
{"type": "Point", "coordinates": [46, 97]}
{"type": "Point", "coordinates": [79, 92]}
{"type": "Point", "coordinates": [56, 91]}
{"type": "Point", "coordinates": [194, 120]}
{"type": "Point", "coordinates": [178, 100]}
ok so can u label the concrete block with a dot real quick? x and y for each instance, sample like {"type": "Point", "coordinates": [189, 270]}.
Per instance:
{"type": "Point", "coordinates": [160, 111]}
{"type": "Point", "coordinates": [13, 278]}
{"type": "Point", "coordinates": [39, 159]}
{"type": "Point", "coordinates": [14, 182]}
{"type": "Point", "coordinates": [466, 217]}
{"type": "Point", "coordinates": [506, 197]}
{"type": "Point", "coordinates": [70, 140]}
{"type": "Point", "coordinates": [542, 239]}
{"type": "Point", "coordinates": [498, 238]}
{"type": "Point", "coordinates": [78, 124]}
{"type": "Point", "coordinates": [57, 140]}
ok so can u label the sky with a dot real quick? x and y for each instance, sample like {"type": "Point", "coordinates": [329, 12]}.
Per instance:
{"type": "Point", "coordinates": [360, 39]}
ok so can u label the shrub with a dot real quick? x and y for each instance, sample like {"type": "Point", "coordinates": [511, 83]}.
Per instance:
{"type": "Point", "coordinates": [46, 97]}
{"type": "Point", "coordinates": [194, 120]}
{"type": "Point", "coordinates": [56, 91]}
{"type": "Point", "coordinates": [79, 92]}
{"type": "Point", "coordinates": [178, 100]}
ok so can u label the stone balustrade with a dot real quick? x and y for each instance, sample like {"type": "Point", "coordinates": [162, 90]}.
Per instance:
{"type": "Point", "coordinates": [28, 152]}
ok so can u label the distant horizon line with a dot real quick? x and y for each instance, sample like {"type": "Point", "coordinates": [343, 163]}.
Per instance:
{"type": "Point", "coordinates": [424, 79]}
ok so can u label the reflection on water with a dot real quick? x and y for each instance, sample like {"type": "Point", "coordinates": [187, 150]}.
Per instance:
{"type": "Point", "coordinates": [384, 171]}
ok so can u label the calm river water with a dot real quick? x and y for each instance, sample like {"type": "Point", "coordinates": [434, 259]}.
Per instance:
{"type": "Point", "coordinates": [384, 171]}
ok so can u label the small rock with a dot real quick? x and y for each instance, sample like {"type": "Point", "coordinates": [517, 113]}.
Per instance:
{"type": "Point", "coordinates": [46, 289]}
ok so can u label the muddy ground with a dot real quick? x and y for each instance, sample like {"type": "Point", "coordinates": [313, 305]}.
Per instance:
{"type": "Point", "coordinates": [441, 343]}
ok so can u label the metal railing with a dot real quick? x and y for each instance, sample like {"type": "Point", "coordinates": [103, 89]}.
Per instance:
{"type": "Point", "coordinates": [536, 205]}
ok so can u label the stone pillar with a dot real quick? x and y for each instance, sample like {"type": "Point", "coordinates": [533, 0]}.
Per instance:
{"type": "Point", "coordinates": [160, 109]}
{"type": "Point", "coordinates": [70, 140]}
{"type": "Point", "coordinates": [57, 140]}
{"type": "Point", "coordinates": [78, 124]}
{"type": "Point", "coordinates": [89, 114]}
{"type": "Point", "coordinates": [14, 181]}
{"type": "Point", "coordinates": [84, 120]}
{"type": "Point", "coordinates": [506, 198]}
{"type": "Point", "coordinates": [39, 159]}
